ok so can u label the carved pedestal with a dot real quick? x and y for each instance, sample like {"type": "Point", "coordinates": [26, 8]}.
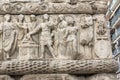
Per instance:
{"type": "Point", "coordinates": [28, 51]}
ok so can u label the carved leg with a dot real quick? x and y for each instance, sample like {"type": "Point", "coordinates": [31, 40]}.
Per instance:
{"type": "Point", "coordinates": [81, 52]}
{"type": "Point", "coordinates": [87, 52]}
{"type": "Point", "coordinates": [6, 56]}
{"type": "Point", "coordinates": [42, 51]}
{"type": "Point", "coordinates": [56, 49]}
{"type": "Point", "coordinates": [51, 51]}
{"type": "Point", "coordinates": [75, 46]}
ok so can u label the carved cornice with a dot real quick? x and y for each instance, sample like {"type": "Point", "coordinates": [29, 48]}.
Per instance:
{"type": "Point", "coordinates": [49, 7]}
{"type": "Point", "coordinates": [58, 66]}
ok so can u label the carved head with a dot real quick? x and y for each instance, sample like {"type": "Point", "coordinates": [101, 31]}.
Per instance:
{"type": "Point", "coordinates": [33, 18]}
{"type": "Point", "coordinates": [7, 17]}
{"type": "Point", "coordinates": [46, 17]}
{"type": "Point", "coordinates": [71, 21]}
{"type": "Point", "coordinates": [21, 17]}
{"type": "Point", "coordinates": [61, 17]}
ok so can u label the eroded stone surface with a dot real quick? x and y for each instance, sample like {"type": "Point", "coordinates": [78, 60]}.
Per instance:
{"type": "Point", "coordinates": [90, 7]}
{"type": "Point", "coordinates": [55, 36]}
{"type": "Point", "coordinates": [5, 77]}
{"type": "Point", "coordinates": [58, 66]}
{"type": "Point", "coordinates": [103, 76]}
{"type": "Point", "coordinates": [63, 36]}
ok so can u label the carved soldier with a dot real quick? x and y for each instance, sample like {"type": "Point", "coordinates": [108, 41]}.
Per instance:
{"type": "Point", "coordinates": [9, 37]}
{"type": "Point", "coordinates": [45, 35]}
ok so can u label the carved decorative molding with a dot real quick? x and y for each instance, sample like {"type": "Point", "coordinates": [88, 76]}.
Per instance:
{"type": "Point", "coordinates": [48, 7]}
{"type": "Point", "coordinates": [58, 66]}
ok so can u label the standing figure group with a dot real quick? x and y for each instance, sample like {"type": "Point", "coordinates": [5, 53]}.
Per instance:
{"type": "Point", "coordinates": [59, 37]}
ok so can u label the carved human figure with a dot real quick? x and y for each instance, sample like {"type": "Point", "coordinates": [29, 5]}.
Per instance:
{"type": "Point", "coordinates": [86, 38]}
{"type": "Point", "coordinates": [71, 39]}
{"type": "Point", "coordinates": [9, 37]}
{"type": "Point", "coordinates": [60, 45]}
{"type": "Point", "coordinates": [45, 35]}
{"type": "Point", "coordinates": [31, 26]}
{"type": "Point", "coordinates": [22, 28]}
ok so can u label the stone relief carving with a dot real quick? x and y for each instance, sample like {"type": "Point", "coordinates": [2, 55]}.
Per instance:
{"type": "Point", "coordinates": [55, 1]}
{"type": "Point", "coordinates": [6, 7]}
{"type": "Point", "coordinates": [69, 77]}
{"type": "Point", "coordinates": [53, 37]}
{"type": "Point", "coordinates": [71, 38]}
{"type": "Point", "coordinates": [21, 28]}
{"type": "Point", "coordinates": [102, 37]}
{"type": "Point", "coordinates": [51, 77]}
{"type": "Point", "coordinates": [59, 36]}
{"type": "Point", "coordinates": [103, 76]}
{"type": "Point", "coordinates": [86, 37]}
{"type": "Point", "coordinates": [43, 37]}
{"type": "Point", "coordinates": [70, 6]}
{"type": "Point", "coordinates": [9, 37]}
{"type": "Point", "coordinates": [5, 77]}
{"type": "Point", "coordinates": [29, 46]}
{"type": "Point", "coordinates": [18, 67]}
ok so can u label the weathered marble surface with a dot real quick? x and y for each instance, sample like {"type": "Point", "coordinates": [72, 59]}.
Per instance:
{"type": "Point", "coordinates": [39, 38]}
{"type": "Point", "coordinates": [58, 66]}
{"type": "Point", "coordinates": [65, 36]}
{"type": "Point", "coordinates": [5, 77]}
{"type": "Point", "coordinates": [90, 7]}
{"type": "Point", "coordinates": [103, 76]}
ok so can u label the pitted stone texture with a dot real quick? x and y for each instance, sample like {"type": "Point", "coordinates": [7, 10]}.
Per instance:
{"type": "Point", "coordinates": [5, 77]}
{"type": "Point", "coordinates": [59, 66]}
{"type": "Point", "coordinates": [90, 7]}
{"type": "Point", "coordinates": [103, 76]}
{"type": "Point", "coordinates": [51, 77]}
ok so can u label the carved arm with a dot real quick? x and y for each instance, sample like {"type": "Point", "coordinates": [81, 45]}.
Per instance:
{"type": "Point", "coordinates": [35, 30]}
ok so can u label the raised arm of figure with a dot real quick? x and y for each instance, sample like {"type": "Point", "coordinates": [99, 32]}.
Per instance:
{"type": "Point", "coordinates": [35, 30]}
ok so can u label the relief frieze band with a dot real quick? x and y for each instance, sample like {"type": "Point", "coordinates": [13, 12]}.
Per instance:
{"type": "Point", "coordinates": [52, 8]}
{"type": "Point", "coordinates": [58, 67]}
